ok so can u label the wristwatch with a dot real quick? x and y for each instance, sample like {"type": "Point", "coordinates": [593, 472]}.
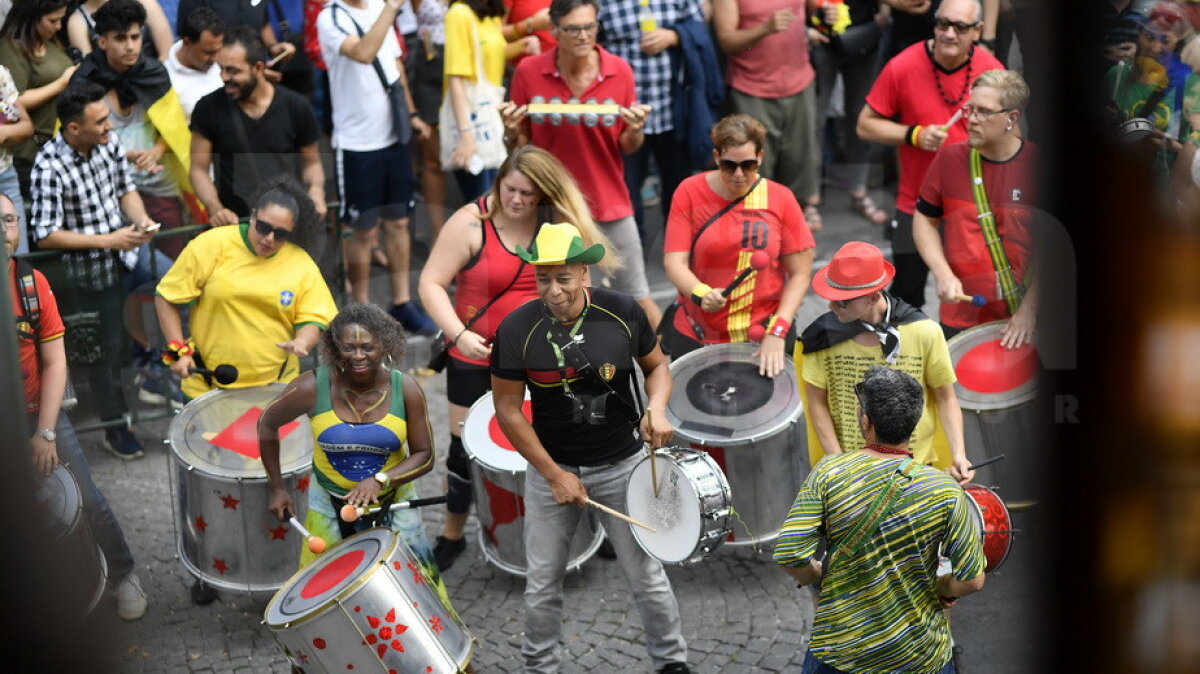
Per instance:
{"type": "Point", "coordinates": [47, 434]}
{"type": "Point", "coordinates": [383, 478]}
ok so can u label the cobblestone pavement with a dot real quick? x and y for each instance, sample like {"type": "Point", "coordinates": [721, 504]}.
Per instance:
{"type": "Point", "coordinates": [740, 613]}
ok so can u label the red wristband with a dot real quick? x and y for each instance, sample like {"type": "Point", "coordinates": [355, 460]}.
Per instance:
{"type": "Point", "coordinates": [778, 327]}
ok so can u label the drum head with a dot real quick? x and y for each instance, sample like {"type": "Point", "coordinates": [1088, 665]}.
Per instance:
{"type": "Point", "coordinates": [991, 377]}
{"type": "Point", "coordinates": [675, 513]}
{"type": "Point", "coordinates": [995, 524]}
{"type": "Point", "coordinates": [719, 396]}
{"type": "Point", "coordinates": [485, 443]}
{"type": "Point", "coordinates": [58, 499]}
{"type": "Point", "coordinates": [217, 433]}
{"type": "Point", "coordinates": [327, 577]}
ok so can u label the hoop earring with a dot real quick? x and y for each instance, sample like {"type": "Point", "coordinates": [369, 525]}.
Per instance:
{"type": "Point", "coordinates": [388, 363]}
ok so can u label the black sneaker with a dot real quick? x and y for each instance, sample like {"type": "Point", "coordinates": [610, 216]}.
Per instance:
{"type": "Point", "coordinates": [123, 444]}
{"type": "Point", "coordinates": [447, 550]}
{"type": "Point", "coordinates": [675, 668]}
{"type": "Point", "coordinates": [606, 551]}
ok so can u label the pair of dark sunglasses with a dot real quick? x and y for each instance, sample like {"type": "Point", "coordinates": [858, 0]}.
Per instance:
{"type": "Point", "coordinates": [748, 166]}
{"type": "Point", "coordinates": [266, 229]}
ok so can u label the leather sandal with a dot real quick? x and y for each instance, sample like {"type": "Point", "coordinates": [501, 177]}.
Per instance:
{"type": "Point", "coordinates": [812, 216]}
{"type": "Point", "coordinates": [865, 206]}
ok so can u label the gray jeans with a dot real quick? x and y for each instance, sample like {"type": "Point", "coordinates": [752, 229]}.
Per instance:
{"type": "Point", "coordinates": [549, 528]}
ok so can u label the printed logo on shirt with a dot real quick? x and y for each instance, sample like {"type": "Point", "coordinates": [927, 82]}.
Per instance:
{"type": "Point", "coordinates": [286, 298]}
{"type": "Point", "coordinates": [608, 371]}
{"type": "Point", "coordinates": [1016, 195]}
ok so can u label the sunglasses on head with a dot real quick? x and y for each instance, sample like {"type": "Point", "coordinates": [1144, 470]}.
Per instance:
{"type": "Point", "coordinates": [747, 165]}
{"type": "Point", "coordinates": [265, 229]}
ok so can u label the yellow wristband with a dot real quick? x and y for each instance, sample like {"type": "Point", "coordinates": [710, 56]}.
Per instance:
{"type": "Point", "coordinates": [700, 291]}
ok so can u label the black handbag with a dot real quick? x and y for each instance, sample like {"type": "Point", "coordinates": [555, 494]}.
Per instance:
{"type": "Point", "coordinates": [859, 40]}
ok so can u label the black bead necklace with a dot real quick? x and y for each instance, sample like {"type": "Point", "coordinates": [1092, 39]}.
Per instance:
{"type": "Point", "coordinates": [966, 82]}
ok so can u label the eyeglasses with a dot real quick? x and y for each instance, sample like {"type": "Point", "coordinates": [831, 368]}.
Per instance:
{"type": "Point", "coordinates": [748, 166]}
{"type": "Point", "coordinates": [982, 113]}
{"type": "Point", "coordinates": [577, 31]}
{"type": "Point", "coordinates": [958, 26]}
{"type": "Point", "coordinates": [10, 220]}
{"type": "Point", "coordinates": [265, 229]}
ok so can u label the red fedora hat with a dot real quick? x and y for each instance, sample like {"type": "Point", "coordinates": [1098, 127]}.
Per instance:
{"type": "Point", "coordinates": [857, 269]}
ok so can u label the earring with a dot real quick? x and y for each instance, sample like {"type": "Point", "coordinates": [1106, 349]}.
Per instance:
{"type": "Point", "coordinates": [1008, 128]}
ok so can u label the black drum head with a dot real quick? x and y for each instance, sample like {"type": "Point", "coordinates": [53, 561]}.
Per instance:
{"type": "Point", "coordinates": [728, 388]}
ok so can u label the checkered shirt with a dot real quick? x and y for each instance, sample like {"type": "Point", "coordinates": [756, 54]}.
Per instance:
{"type": "Point", "coordinates": [621, 34]}
{"type": "Point", "coordinates": [82, 194]}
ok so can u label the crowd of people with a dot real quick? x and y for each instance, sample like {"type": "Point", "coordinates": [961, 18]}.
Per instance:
{"type": "Point", "coordinates": [114, 134]}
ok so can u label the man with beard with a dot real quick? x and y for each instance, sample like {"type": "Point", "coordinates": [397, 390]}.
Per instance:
{"type": "Point", "coordinates": [997, 208]}
{"type": "Point", "coordinates": [866, 326]}
{"type": "Point", "coordinates": [255, 130]}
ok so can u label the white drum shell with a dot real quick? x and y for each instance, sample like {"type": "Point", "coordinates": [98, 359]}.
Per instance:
{"type": "Point", "coordinates": [688, 480]}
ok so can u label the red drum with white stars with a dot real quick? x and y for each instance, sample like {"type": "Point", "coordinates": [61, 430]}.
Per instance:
{"type": "Point", "coordinates": [365, 605]}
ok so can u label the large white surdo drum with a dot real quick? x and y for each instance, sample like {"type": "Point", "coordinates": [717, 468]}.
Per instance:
{"type": "Point", "coordinates": [751, 426]}
{"type": "Point", "coordinates": [997, 389]}
{"type": "Point", "coordinates": [366, 605]}
{"type": "Point", "coordinates": [498, 482]}
{"type": "Point", "coordinates": [226, 536]}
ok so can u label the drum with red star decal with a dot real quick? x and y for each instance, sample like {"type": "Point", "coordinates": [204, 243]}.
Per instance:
{"type": "Point", "coordinates": [366, 606]}
{"type": "Point", "coordinates": [498, 480]}
{"type": "Point", "coordinates": [226, 536]}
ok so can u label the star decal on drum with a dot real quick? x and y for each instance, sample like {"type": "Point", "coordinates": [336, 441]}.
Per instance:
{"type": "Point", "coordinates": [278, 533]}
{"type": "Point", "coordinates": [388, 629]}
{"type": "Point", "coordinates": [230, 502]}
{"type": "Point", "coordinates": [418, 577]}
{"type": "Point", "coordinates": [201, 524]}
{"type": "Point", "coordinates": [302, 657]}
{"type": "Point", "coordinates": [436, 623]}
{"type": "Point", "coordinates": [220, 565]}
{"type": "Point", "coordinates": [302, 484]}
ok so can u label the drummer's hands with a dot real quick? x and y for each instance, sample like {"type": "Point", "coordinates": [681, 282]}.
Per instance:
{"type": "Point", "coordinates": [656, 430]}
{"type": "Point", "coordinates": [180, 367]}
{"type": "Point", "coordinates": [280, 503]}
{"type": "Point", "coordinates": [365, 492]}
{"type": "Point", "coordinates": [949, 288]}
{"type": "Point", "coordinates": [473, 346]}
{"type": "Point", "coordinates": [960, 469]}
{"type": "Point", "coordinates": [45, 454]}
{"type": "Point", "coordinates": [1019, 329]}
{"type": "Point", "coordinates": [295, 347]}
{"type": "Point", "coordinates": [770, 356]}
{"type": "Point", "coordinates": [713, 301]}
{"type": "Point", "coordinates": [567, 488]}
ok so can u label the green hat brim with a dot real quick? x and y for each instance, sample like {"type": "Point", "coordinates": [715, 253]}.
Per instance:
{"type": "Point", "coordinates": [590, 255]}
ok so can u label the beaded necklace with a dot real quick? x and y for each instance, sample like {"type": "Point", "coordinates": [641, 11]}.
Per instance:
{"type": "Point", "coordinates": [887, 450]}
{"type": "Point", "coordinates": [966, 82]}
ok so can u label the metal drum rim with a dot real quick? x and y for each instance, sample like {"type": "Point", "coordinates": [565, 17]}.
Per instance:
{"type": "Point", "coordinates": [696, 555]}
{"type": "Point", "coordinates": [974, 401]}
{"type": "Point", "coordinates": [355, 585]}
{"type": "Point", "coordinates": [79, 515]}
{"type": "Point", "coordinates": [982, 534]}
{"type": "Point", "coordinates": [572, 565]}
{"type": "Point", "coordinates": [487, 398]}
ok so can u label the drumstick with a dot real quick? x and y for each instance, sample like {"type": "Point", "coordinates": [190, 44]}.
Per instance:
{"type": "Point", "coordinates": [351, 513]}
{"type": "Point", "coordinates": [977, 300]}
{"type": "Point", "coordinates": [316, 544]}
{"type": "Point", "coordinates": [653, 463]}
{"type": "Point", "coordinates": [987, 462]}
{"type": "Point", "coordinates": [954, 120]}
{"type": "Point", "coordinates": [758, 260]}
{"type": "Point", "coordinates": [622, 516]}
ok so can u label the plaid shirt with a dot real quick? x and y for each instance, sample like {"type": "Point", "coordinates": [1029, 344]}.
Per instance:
{"type": "Point", "coordinates": [82, 194]}
{"type": "Point", "coordinates": [621, 34]}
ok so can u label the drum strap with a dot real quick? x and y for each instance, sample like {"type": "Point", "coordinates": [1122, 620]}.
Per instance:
{"type": "Point", "coordinates": [1012, 291]}
{"type": "Point", "coordinates": [866, 525]}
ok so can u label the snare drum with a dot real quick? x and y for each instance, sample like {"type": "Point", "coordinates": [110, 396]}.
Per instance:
{"type": "Point", "coordinates": [751, 426]}
{"type": "Point", "coordinates": [226, 535]}
{"type": "Point", "coordinates": [366, 605]}
{"type": "Point", "coordinates": [690, 515]}
{"type": "Point", "coordinates": [994, 522]}
{"type": "Point", "coordinates": [498, 481]}
{"type": "Point", "coordinates": [997, 389]}
{"type": "Point", "coordinates": [60, 505]}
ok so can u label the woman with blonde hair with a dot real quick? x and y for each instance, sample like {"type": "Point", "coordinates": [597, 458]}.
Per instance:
{"type": "Point", "coordinates": [476, 249]}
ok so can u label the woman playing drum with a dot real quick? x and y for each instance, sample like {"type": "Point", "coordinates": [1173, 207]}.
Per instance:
{"type": "Point", "coordinates": [370, 429]}
{"type": "Point", "coordinates": [719, 222]}
{"type": "Point", "coordinates": [476, 251]}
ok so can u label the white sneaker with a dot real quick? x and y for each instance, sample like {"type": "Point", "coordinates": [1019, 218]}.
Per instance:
{"type": "Point", "coordinates": [131, 600]}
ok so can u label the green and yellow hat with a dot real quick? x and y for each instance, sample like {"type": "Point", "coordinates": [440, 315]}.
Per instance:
{"type": "Point", "coordinates": [560, 243]}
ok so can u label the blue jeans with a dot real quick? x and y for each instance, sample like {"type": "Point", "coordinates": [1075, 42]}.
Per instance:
{"type": "Point", "coordinates": [814, 666]}
{"type": "Point", "coordinates": [549, 528]}
{"type": "Point", "coordinates": [142, 273]}
{"type": "Point", "coordinates": [10, 184]}
{"type": "Point", "coordinates": [99, 514]}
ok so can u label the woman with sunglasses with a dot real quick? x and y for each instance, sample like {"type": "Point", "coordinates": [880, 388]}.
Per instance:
{"type": "Point", "coordinates": [718, 221]}
{"type": "Point", "coordinates": [260, 300]}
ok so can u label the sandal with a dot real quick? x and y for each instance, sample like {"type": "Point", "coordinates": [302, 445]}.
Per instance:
{"type": "Point", "coordinates": [865, 206]}
{"type": "Point", "coordinates": [812, 216]}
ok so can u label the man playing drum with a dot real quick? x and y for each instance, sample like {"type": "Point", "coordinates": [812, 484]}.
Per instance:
{"type": "Point", "coordinates": [867, 326]}
{"type": "Point", "coordinates": [576, 348]}
{"type": "Point", "coordinates": [880, 604]}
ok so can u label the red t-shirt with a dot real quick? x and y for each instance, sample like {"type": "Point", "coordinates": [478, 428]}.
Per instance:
{"type": "Point", "coordinates": [1011, 193]}
{"type": "Point", "coordinates": [769, 219]}
{"type": "Point", "coordinates": [907, 92]}
{"type": "Point", "coordinates": [519, 10]}
{"type": "Point", "coordinates": [50, 328]}
{"type": "Point", "coordinates": [484, 278]}
{"type": "Point", "coordinates": [755, 71]}
{"type": "Point", "coordinates": [591, 154]}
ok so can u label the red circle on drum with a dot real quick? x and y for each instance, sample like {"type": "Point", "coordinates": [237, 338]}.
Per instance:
{"type": "Point", "coordinates": [497, 435]}
{"type": "Point", "coordinates": [333, 573]}
{"type": "Point", "coordinates": [991, 368]}
{"type": "Point", "coordinates": [319, 643]}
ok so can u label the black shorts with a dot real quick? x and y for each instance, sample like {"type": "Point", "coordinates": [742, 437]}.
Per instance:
{"type": "Point", "coordinates": [425, 79]}
{"type": "Point", "coordinates": [466, 382]}
{"type": "Point", "coordinates": [375, 184]}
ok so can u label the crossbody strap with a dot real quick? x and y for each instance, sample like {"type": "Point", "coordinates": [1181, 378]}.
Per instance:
{"type": "Point", "coordinates": [717, 216]}
{"type": "Point", "coordinates": [1012, 291]}
{"type": "Point", "coordinates": [375, 63]}
{"type": "Point", "coordinates": [520, 269]}
{"type": "Point", "coordinates": [866, 525]}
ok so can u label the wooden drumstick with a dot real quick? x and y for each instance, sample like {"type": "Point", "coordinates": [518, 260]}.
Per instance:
{"type": "Point", "coordinates": [622, 516]}
{"type": "Point", "coordinates": [653, 463]}
{"type": "Point", "coordinates": [976, 300]}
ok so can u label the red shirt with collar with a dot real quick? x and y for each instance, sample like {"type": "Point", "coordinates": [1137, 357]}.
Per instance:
{"type": "Point", "coordinates": [50, 328]}
{"type": "Point", "coordinates": [592, 155]}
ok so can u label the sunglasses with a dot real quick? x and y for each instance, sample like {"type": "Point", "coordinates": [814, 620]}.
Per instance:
{"type": "Point", "coordinates": [264, 229]}
{"type": "Point", "coordinates": [842, 304]}
{"type": "Point", "coordinates": [748, 166]}
{"type": "Point", "coordinates": [958, 26]}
